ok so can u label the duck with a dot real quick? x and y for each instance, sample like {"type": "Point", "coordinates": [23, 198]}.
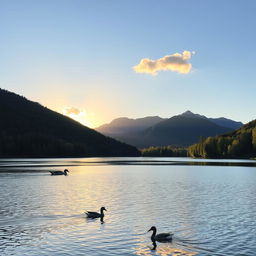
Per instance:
{"type": "Point", "coordinates": [94, 215]}
{"type": "Point", "coordinates": [60, 172]}
{"type": "Point", "coordinates": [162, 237]}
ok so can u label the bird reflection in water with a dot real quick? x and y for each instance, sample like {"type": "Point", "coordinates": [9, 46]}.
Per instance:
{"type": "Point", "coordinates": [154, 244]}
{"type": "Point", "coordinates": [88, 220]}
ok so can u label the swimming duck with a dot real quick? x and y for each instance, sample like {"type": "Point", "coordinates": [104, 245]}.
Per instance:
{"type": "Point", "coordinates": [60, 172]}
{"type": "Point", "coordinates": [94, 215]}
{"type": "Point", "coordinates": [162, 237]}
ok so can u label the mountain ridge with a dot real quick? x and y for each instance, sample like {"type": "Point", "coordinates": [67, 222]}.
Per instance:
{"type": "Point", "coordinates": [154, 134]}
{"type": "Point", "coordinates": [121, 124]}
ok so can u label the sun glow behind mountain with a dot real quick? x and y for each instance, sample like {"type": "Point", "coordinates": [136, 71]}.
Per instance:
{"type": "Point", "coordinates": [81, 116]}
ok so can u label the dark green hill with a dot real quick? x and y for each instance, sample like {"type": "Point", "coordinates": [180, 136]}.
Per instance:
{"type": "Point", "coordinates": [238, 144]}
{"type": "Point", "coordinates": [28, 129]}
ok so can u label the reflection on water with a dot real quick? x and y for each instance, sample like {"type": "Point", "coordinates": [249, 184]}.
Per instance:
{"type": "Point", "coordinates": [163, 250]}
{"type": "Point", "coordinates": [40, 164]}
{"type": "Point", "coordinates": [101, 219]}
{"type": "Point", "coordinates": [177, 246]}
{"type": "Point", "coordinates": [210, 209]}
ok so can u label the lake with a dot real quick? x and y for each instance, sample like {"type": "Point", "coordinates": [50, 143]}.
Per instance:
{"type": "Point", "coordinates": [209, 205]}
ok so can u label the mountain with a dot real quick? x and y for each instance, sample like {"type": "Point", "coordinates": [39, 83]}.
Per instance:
{"type": "Point", "coordinates": [221, 121]}
{"type": "Point", "coordinates": [237, 144]}
{"type": "Point", "coordinates": [181, 130]}
{"type": "Point", "coordinates": [129, 130]}
{"type": "Point", "coordinates": [28, 129]}
{"type": "Point", "coordinates": [125, 125]}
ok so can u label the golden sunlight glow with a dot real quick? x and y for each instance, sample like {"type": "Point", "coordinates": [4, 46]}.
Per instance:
{"type": "Point", "coordinates": [163, 251]}
{"type": "Point", "coordinates": [81, 116]}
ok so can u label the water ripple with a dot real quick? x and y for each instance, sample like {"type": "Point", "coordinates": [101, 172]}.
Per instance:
{"type": "Point", "coordinates": [210, 209]}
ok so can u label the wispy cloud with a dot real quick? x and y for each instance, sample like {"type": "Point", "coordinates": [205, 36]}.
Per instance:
{"type": "Point", "coordinates": [72, 110]}
{"type": "Point", "coordinates": [176, 62]}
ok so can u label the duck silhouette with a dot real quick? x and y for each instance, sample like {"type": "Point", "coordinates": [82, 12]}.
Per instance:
{"type": "Point", "coordinates": [94, 215]}
{"type": "Point", "coordinates": [65, 172]}
{"type": "Point", "coordinates": [162, 237]}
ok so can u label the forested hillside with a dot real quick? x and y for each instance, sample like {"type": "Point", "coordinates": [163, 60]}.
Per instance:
{"type": "Point", "coordinates": [238, 144]}
{"type": "Point", "coordinates": [28, 129]}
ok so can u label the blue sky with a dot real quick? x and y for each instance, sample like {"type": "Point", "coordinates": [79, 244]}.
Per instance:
{"type": "Point", "coordinates": [80, 55]}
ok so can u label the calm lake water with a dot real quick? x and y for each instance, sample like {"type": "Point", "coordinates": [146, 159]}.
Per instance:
{"type": "Point", "coordinates": [209, 205]}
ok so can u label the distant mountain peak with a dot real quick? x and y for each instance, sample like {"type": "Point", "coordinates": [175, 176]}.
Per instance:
{"type": "Point", "coordinates": [190, 114]}
{"type": "Point", "coordinates": [187, 113]}
{"type": "Point", "coordinates": [221, 121]}
{"type": "Point", "coordinates": [180, 130]}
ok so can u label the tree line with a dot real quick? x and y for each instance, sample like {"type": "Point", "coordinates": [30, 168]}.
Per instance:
{"type": "Point", "coordinates": [238, 144]}
{"type": "Point", "coordinates": [164, 151]}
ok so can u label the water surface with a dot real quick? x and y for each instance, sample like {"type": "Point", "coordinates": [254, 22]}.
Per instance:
{"type": "Point", "coordinates": [211, 209]}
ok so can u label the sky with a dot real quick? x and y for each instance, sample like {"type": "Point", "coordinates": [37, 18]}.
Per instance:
{"type": "Point", "coordinates": [102, 59]}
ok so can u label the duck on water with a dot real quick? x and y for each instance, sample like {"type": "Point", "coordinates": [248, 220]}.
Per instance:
{"type": "Point", "coordinates": [94, 215]}
{"type": "Point", "coordinates": [65, 172]}
{"type": "Point", "coordinates": [162, 237]}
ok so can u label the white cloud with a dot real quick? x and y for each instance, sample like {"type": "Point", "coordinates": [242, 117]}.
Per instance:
{"type": "Point", "coordinates": [176, 62]}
